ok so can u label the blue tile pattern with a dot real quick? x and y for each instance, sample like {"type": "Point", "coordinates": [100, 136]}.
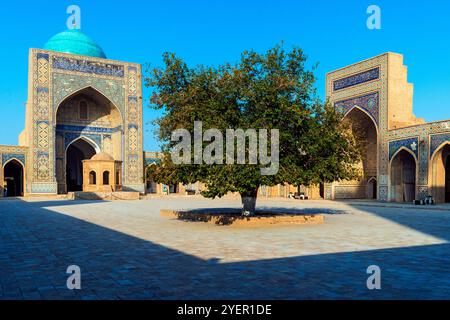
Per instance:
{"type": "Point", "coordinates": [71, 136]}
{"type": "Point", "coordinates": [356, 79]}
{"type": "Point", "coordinates": [85, 66]}
{"type": "Point", "coordinates": [436, 140]}
{"type": "Point", "coordinates": [61, 127]}
{"type": "Point", "coordinates": [368, 102]}
{"type": "Point", "coordinates": [411, 144]}
{"type": "Point", "coordinates": [8, 156]}
{"type": "Point", "coordinates": [43, 56]}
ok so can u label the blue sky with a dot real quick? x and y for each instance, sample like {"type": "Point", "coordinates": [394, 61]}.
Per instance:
{"type": "Point", "coordinates": [332, 33]}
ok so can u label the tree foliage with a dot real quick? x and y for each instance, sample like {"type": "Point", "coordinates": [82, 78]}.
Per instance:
{"type": "Point", "coordinates": [273, 90]}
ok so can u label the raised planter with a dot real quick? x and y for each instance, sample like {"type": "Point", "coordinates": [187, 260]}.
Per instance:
{"type": "Point", "coordinates": [234, 218]}
{"type": "Point", "coordinates": [110, 196]}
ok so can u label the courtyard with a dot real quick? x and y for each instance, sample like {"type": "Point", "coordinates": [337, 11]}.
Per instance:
{"type": "Point", "coordinates": [126, 250]}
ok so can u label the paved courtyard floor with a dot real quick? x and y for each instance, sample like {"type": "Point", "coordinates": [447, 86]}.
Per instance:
{"type": "Point", "coordinates": [127, 251]}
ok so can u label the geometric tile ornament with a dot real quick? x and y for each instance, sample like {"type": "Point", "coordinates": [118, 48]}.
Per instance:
{"type": "Point", "coordinates": [356, 79]}
{"type": "Point", "coordinates": [368, 102]}
{"type": "Point", "coordinates": [436, 140]}
{"type": "Point", "coordinates": [411, 144]}
{"type": "Point", "coordinates": [8, 156]}
{"type": "Point", "coordinates": [86, 66]}
{"type": "Point", "coordinates": [69, 137]}
{"type": "Point", "coordinates": [57, 76]}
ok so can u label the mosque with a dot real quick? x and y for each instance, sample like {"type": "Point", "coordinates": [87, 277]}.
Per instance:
{"type": "Point", "coordinates": [84, 130]}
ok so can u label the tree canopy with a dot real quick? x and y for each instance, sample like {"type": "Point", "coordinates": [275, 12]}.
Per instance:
{"type": "Point", "coordinates": [274, 90]}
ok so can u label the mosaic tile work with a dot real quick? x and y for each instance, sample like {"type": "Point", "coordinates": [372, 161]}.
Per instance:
{"type": "Point", "coordinates": [9, 153]}
{"type": "Point", "coordinates": [356, 79]}
{"type": "Point", "coordinates": [43, 188]}
{"type": "Point", "coordinates": [69, 137]}
{"type": "Point", "coordinates": [43, 134]}
{"type": "Point", "coordinates": [411, 144]}
{"type": "Point", "coordinates": [65, 85]}
{"type": "Point", "coordinates": [133, 139]}
{"type": "Point", "coordinates": [9, 156]}
{"type": "Point", "coordinates": [364, 84]}
{"type": "Point", "coordinates": [57, 76]}
{"type": "Point", "coordinates": [86, 66]}
{"type": "Point", "coordinates": [436, 140]}
{"type": "Point", "coordinates": [367, 102]}
{"type": "Point", "coordinates": [383, 193]}
{"type": "Point", "coordinates": [134, 172]}
{"type": "Point", "coordinates": [60, 127]}
{"type": "Point", "coordinates": [133, 131]}
{"type": "Point", "coordinates": [422, 192]}
{"type": "Point", "coordinates": [42, 167]}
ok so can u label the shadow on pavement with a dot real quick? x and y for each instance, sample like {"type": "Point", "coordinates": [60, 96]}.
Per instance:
{"type": "Point", "coordinates": [37, 245]}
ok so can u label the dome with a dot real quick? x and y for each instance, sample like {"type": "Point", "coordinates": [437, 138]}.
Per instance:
{"type": "Point", "coordinates": [102, 156]}
{"type": "Point", "coordinates": [74, 42]}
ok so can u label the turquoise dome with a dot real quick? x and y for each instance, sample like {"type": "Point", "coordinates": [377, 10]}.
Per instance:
{"type": "Point", "coordinates": [75, 42]}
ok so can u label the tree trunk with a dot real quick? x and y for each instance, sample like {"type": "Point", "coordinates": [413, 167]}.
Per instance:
{"type": "Point", "coordinates": [249, 202]}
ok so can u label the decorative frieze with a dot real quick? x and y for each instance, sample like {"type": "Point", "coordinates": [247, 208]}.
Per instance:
{"type": "Point", "coordinates": [359, 78]}
{"type": "Point", "coordinates": [83, 129]}
{"type": "Point", "coordinates": [86, 66]}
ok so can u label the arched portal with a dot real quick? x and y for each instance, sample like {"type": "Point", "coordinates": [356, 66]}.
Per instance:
{"type": "Point", "coordinates": [90, 116]}
{"type": "Point", "coordinates": [403, 176]}
{"type": "Point", "coordinates": [13, 175]}
{"type": "Point", "coordinates": [440, 174]}
{"type": "Point", "coordinates": [77, 152]}
{"type": "Point", "coordinates": [364, 130]}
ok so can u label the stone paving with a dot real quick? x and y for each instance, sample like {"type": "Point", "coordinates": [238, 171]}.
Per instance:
{"type": "Point", "coordinates": [127, 251]}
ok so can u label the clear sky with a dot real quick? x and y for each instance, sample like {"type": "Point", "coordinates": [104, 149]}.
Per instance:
{"type": "Point", "coordinates": [333, 33]}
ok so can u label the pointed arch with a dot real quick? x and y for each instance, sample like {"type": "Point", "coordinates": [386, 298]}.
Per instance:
{"type": "Point", "coordinates": [364, 127]}
{"type": "Point", "coordinates": [400, 188]}
{"type": "Point", "coordinates": [365, 112]}
{"type": "Point", "coordinates": [372, 188]}
{"type": "Point", "coordinates": [102, 130]}
{"type": "Point", "coordinates": [15, 178]}
{"type": "Point", "coordinates": [88, 140]}
{"type": "Point", "coordinates": [82, 90]}
{"type": "Point", "coordinates": [372, 179]}
{"type": "Point", "coordinates": [441, 146]}
{"type": "Point", "coordinates": [407, 150]}
{"type": "Point", "coordinates": [14, 159]}
{"type": "Point", "coordinates": [439, 173]}
{"type": "Point", "coordinates": [81, 148]}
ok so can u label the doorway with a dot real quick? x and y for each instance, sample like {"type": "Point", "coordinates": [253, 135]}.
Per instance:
{"type": "Point", "coordinates": [13, 175]}
{"type": "Point", "coordinates": [372, 189]}
{"type": "Point", "coordinates": [403, 177]}
{"type": "Point", "coordinates": [77, 152]}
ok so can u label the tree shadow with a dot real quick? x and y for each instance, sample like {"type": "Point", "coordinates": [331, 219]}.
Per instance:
{"type": "Point", "coordinates": [228, 216]}
{"type": "Point", "coordinates": [37, 245]}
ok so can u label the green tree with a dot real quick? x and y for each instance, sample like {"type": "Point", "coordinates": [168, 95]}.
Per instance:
{"type": "Point", "coordinates": [274, 90]}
